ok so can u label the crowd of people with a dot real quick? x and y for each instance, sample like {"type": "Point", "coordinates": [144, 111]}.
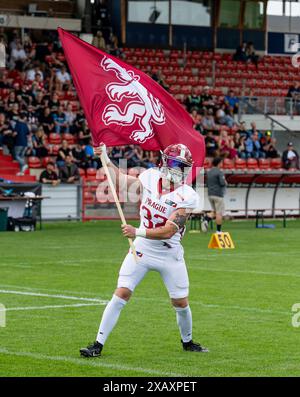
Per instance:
{"type": "Point", "coordinates": [38, 98]}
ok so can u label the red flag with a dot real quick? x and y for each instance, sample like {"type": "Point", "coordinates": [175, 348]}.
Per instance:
{"type": "Point", "coordinates": [124, 105]}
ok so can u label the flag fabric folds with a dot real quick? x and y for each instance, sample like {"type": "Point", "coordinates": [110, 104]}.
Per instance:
{"type": "Point", "coordinates": [125, 106]}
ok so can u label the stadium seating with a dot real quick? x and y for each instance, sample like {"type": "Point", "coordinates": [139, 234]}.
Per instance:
{"type": "Point", "coordinates": [91, 174]}
{"type": "Point", "coordinates": [273, 76]}
{"type": "Point", "coordinates": [54, 139]}
{"type": "Point", "coordinates": [240, 164]}
{"type": "Point", "coordinates": [34, 162]}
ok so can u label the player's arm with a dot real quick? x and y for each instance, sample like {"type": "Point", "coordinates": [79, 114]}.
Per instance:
{"type": "Point", "coordinates": [119, 177]}
{"type": "Point", "coordinates": [176, 222]}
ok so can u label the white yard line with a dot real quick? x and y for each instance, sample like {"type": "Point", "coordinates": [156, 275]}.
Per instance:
{"type": "Point", "coordinates": [96, 363]}
{"type": "Point", "coordinates": [193, 302]}
{"type": "Point", "coordinates": [48, 307]}
{"type": "Point", "coordinates": [27, 293]}
{"type": "Point", "coordinates": [259, 272]}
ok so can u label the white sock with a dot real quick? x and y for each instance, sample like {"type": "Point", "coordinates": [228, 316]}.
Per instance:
{"type": "Point", "coordinates": [110, 317]}
{"type": "Point", "coordinates": [184, 321]}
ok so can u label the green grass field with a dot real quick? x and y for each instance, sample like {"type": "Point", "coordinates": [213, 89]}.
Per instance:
{"type": "Point", "coordinates": [54, 284]}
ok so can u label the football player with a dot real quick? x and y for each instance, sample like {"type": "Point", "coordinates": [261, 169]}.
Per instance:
{"type": "Point", "coordinates": [165, 203]}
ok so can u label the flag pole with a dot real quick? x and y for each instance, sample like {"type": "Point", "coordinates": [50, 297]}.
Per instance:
{"type": "Point", "coordinates": [116, 198]}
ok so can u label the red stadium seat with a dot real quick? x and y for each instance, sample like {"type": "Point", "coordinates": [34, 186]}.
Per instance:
{"type": "Point", "coordinates": [276, 164]}
{"type": "Point", "coordinates": [69, 138]}
{"type": "Point", "coordinates": [264, 164]}
{"type": "Point", "coordinates": [252, 164]}
{"type": "Point", "coordinates": [47, 160]}
{"type": "Point", "coordinates": [54, 149]}
{"type": "Point", "coordinates": [240, 164]}
{"type": "Point", "coordinates": [54, 139]}
{"type": "Point", "coordinates": [228, 164]}
{"type": "Point", "coordinates": [34, 162]}
{"type": "Point", "coordinates": [91, 174]}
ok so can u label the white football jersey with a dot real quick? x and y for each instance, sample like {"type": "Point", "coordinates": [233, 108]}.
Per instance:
{"type": "Point", "coordinates": [156, 208]}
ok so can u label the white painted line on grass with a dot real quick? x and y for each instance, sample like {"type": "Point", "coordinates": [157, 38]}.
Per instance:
{"type": "Point", "coordinates": [6, 309]}
{"type": "Point", "coordinates": [96, 363]}
{"type": "Point", "coordinates": [27, 293]}
{"type": "Point", "coordinates": [103, 302]}
{"type": "Point", "coordinates": [259, 272]}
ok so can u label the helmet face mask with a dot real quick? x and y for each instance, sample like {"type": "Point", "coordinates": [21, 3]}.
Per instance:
{"type": "Point", "coordinates": [176, 161]}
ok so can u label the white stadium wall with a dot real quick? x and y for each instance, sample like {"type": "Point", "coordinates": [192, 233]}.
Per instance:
{"type": "Point", "coordinates": [65, 203]}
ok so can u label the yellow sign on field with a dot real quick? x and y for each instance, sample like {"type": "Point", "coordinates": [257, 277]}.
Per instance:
{"type": "Point", "coordinates": [221, 241]}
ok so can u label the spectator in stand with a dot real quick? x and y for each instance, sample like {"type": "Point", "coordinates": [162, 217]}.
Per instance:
{"type": "Point", "coordinates": [142, 160]}
{"type": "Point", "coordinates": [54, 102]}
{"type": "Point", "coordinates": [268, 144]}
{"type": "Point", "coordinates": [253, 130]}
{"type": "Point", "coordinates": [241, 148]}
{"type": "Point", "coordinates": [21, 132]}
{"type": "Point", "coordinates": [239, 143]}
{"type": "Point", "coordinates": [69, 173]}
{"type": "Point", "coordinates": [196, 117]}
{"type": "Point", "coordinates": [242, 129]}
{"type": "Point", "coordinates": [251, 55]}
{"type": "Point", "coordinates": [84, 136]}
{"type": "Point", "coordinates": [94, 161]}
{"type": "Point", "coordinates": [208, 120]}
{"type": "Point", "coordinates": [154, 158]}
{"type": "Point", "coordinates": [193, 101]}
{"type": "Point", "coordinates": [18, 57]}
{"type": "Point", "coordinates": [253, 147]}
{"type": "Point", "coordinates": [10, 100]}
{"type": "Point", "coordinates": [70, 118]}
{"type": "Point", "coordinates": [63, 152]}
{"type": "Point", "coordinates": [131, 157]}
{"type": "Point", "coordinates": [227, 149]}
{"type": "Point", "coordinates": [32, 71]}
{"type": "Point", "coordinates": [80, 157]}
{"type": "Point", "coordinates": [39, 142]}
{"type": "Point", "coordinates": [80, 122]}
{"type": "Point", "coordinates": [99, 41]}
{"type": "Point", "coordinates": [46, 121]}
{"type": "Point", "coordinates": [224, 119]}
{"type": "Point", "coordinates": [232, 102]}
{"type": "Point", "coordinates": [6, 135]}
{"type": "Point", "coordinates": [207, 99]}
{"type": "Point", "coordinates": [117, 153]}
{"type": "Point", "coordinates": [60, 121]}
{"type": "Point", "coordinates": [39, 103]}
{"type": "Point", "coordinates": [38, 82]}
{"type": "Point", "coordinates": [290, 157]}
{"type": "Point", "coordinates": [240, 54]}
{"type": "Point", "coordinates": [212, 147]}
{"type": "Point", "coordinates": [49, 175]}
{"type": "Point", "coordinates": [32, 118]}
{"type": "Point", "coordinates": [13, 114]}
{"type": "Point", "coordinates": [63, 77]}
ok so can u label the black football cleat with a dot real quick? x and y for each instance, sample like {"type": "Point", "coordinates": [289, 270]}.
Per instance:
{"type": "Point", "coordinates": [194, 347]}
{"type": "Point", "coordinates": [93, 350]}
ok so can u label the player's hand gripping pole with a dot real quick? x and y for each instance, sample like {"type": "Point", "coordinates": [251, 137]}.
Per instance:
{"type": "Point", "coordinates": [104, 160]}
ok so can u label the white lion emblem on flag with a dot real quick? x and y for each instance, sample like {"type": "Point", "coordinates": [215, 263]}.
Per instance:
{"type": "Point", "coordinates": [143, 107]}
